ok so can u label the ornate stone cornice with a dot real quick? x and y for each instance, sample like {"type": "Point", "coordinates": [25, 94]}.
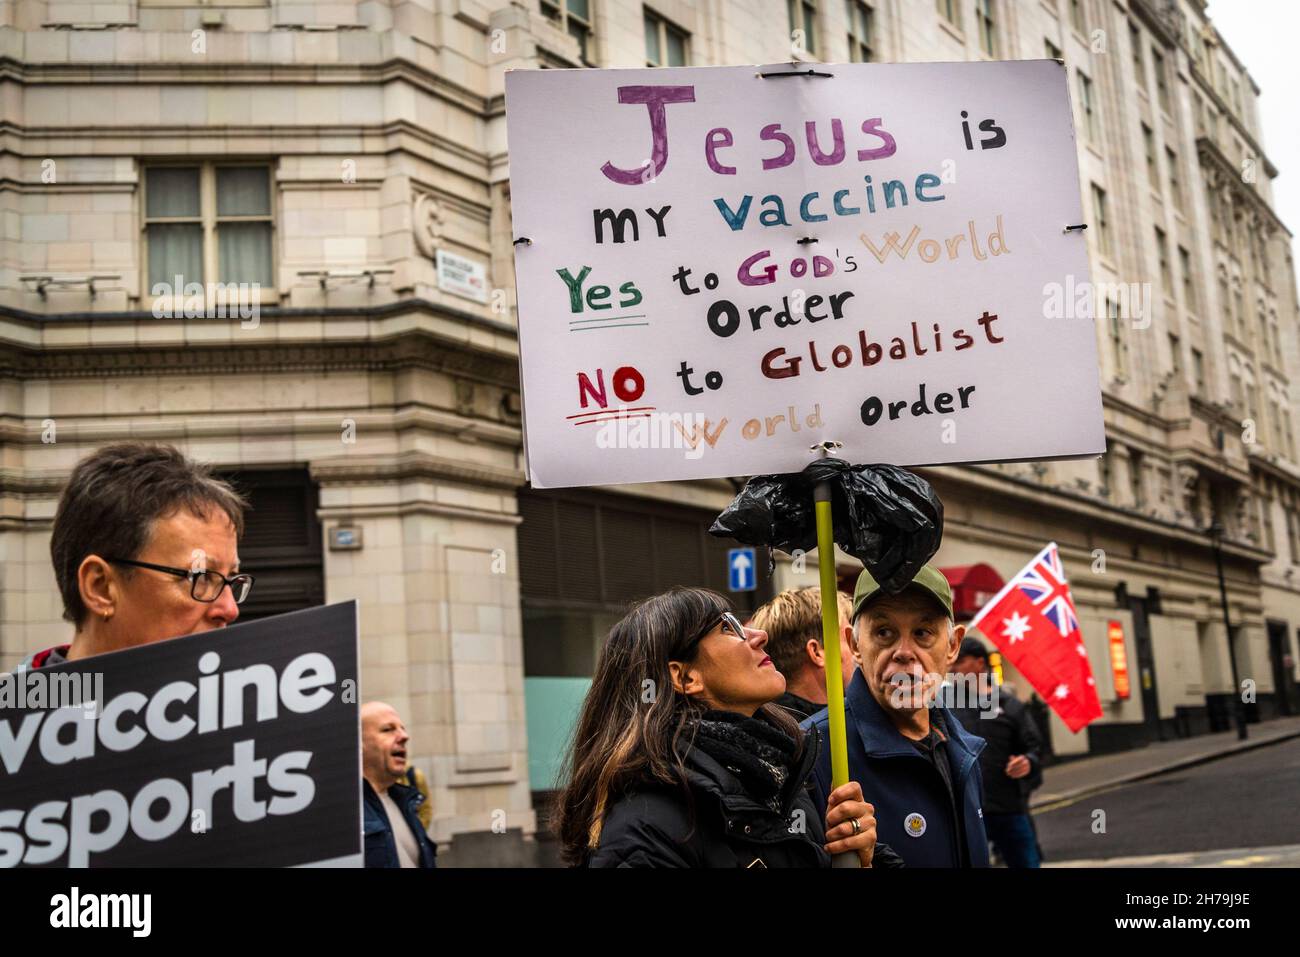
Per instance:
{"type": "Point", "coordinates": [260, 74]}
{"type": "Point", "coordinates": [1220, 173]}
{"type": "Point", "coordinates": [1087, 511]}
{"type": "Point", "coordinates": [386, 469]}
{"type": "Point", "coordinates": [418, 346]}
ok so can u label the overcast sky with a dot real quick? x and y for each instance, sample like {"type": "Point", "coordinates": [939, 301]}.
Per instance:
{"type": "Point", "coordinates": [1263, 35]}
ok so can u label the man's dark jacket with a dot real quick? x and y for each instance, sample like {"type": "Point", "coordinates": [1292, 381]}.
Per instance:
{"type": "Point", "coordinates": [381, 847]}
{"type": "Point", "coordinates": [797, 707]}
{"type": "Point", "coordinates": [1012, 731]}
{"type": "Point", "coordinates": [900, 783]}
{"type": "Point", "coordinates": [654, 826]}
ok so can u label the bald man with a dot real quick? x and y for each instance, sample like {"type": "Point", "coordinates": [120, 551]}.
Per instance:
{"type": "Point", "coordinates": [393, 833]}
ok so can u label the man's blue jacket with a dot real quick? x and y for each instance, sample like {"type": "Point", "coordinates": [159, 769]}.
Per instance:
{"type": "Point", "coordinates": [380, 845]}
{"type": "Point", "coordinates": [914, 815]}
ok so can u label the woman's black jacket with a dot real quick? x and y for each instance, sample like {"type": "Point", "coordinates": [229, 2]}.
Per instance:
{"type": "Point", "coordinates": [720, 826]}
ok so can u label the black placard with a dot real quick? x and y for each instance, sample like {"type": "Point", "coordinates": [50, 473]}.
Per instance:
{"type": "Point", "coordinates": [262, 716]}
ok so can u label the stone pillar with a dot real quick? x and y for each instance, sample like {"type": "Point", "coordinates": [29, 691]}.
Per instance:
{"type": "Point", "coordinates": [441, 638]}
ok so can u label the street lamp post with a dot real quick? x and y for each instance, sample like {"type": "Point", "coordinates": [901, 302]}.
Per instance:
{"type": "Point", "coordinates": [1238, 709]}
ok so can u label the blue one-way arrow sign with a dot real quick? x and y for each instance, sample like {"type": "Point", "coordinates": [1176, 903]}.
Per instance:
{"type": "Point", "coordinates": [740, 569]}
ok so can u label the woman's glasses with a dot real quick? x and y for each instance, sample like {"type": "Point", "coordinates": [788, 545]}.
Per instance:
{"type": "Point", "coordinates": [205, 586]}
{"type": "Point", "coordinates": [731, 625]}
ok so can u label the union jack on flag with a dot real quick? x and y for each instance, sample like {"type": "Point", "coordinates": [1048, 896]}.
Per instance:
{"type": "Point", "coordinates": [1027, 620]}
{"type": "Point", "coordinates": [1043, 582]}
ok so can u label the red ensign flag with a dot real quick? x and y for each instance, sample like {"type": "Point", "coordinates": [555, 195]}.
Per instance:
{"type": "Point", "coordinates": [1032, 621]}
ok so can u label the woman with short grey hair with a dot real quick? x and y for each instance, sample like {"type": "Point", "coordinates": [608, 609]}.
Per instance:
{"type": "Point", "coordinates": [145, 543]}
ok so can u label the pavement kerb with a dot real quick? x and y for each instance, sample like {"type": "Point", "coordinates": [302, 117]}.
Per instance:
{"type": "Point", "coordinates": [1188, 762]}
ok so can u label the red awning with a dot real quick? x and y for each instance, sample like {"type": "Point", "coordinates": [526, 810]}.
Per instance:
{"type": "Point", "coordinates": [973, 587]}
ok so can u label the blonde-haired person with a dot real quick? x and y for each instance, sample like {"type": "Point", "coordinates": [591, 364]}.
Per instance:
{"type": "Point", "coordinates": [793, 622]}
{"type": "Point", "coordinates": [680, 760]}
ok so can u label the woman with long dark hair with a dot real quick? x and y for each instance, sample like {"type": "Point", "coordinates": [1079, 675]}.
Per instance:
{"type": "Point", "coordinates": [679, 760]}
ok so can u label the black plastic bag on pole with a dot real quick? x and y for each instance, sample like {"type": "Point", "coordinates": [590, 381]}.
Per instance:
{"type": "Point", "coordinates": [889, 519]}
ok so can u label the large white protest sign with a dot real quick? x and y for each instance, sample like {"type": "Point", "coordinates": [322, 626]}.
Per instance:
{"type": "Point", "coordinates": [717, 269]}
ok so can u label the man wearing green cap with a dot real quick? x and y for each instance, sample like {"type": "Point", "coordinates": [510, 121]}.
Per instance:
{"type": "Point", "coordinates": [918, 766]}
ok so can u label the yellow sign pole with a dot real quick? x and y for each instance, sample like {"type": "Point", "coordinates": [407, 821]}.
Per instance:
{"type": "Point", "coordinates": [831, 649]}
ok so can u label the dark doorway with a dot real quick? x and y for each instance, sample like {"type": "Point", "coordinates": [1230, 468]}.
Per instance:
{"type": "Point", "coordinates": [1279, 655]}
{"type": "Point", "coordinates": [1146, 666]}
{"type": "Point", "coordinates": [281, 546]}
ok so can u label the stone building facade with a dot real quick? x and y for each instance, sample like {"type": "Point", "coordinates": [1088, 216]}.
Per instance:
{"type": "Point", "coordinates": [349, 158]}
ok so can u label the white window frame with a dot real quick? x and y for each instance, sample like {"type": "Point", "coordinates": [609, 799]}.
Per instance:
{"type": "Point", "coordinates": [664, 27]}
{"type": "Point", "coordinates": [209, 221]}
{"type": "Point", "coordinates": [557, 12]}
{"type": "Point", "coordinates": [1087, 108]}
{"type": "Point", "coordinates": [861, 49]}
{"type": "Point", "coordinates": [986, 28]}
{"type": "Point", "coordinates": [805, 9]}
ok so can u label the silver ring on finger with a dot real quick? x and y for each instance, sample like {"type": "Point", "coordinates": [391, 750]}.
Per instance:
{"type": "Point", "coordinates": [857, 826]}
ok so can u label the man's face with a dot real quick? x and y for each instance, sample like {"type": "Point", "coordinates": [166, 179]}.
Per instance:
{"type": "Point", "coordinates": [906, 645]}
{"type": "Point", "coordinates": [383, 744]}
{"type": "Point", "coordinates": [154, 605]}
{"type": "Point", "coordinates": [969, 665]}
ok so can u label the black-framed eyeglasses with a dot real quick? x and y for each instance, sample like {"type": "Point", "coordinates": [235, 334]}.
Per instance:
{"type": "Point", "coordinates": [731, 625]}
{"type": "Point", "coordinates": [205, 586]}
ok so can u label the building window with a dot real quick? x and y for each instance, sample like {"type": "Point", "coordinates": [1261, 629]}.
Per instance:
{"type": "Point", "coordinates": [1162, 82]}
{"type": "Point", "coordinates": [1225, 301]}
{"type": "Point", "coordinates": [1189, 289]}
{"type": "Point", "coordinates": [1263, 257]}
{"type": "Point", "coordinates": [1176, 354]}
{"type": "Point", "coordinates": [1076, 16]}
{"type": "Point", "coordinates": [208, 223]}
{"type": "Point", "coordinates": [1137, 490]}
{"type": "Point", "coordinates": [574, 18]}
{"type": "Point", "coordinates": [1149, 147]}
{"type": "Point", "coordinates": [1086, 106]}
{"type": "Point", "coordinates": [1116, 340]}
{"type": "Point", "coordinates": [1293, 535]}
{"type": "Point", "coordinates": [1052, 50]}
{"type": "Point", "coordinates": [1162, 251]}
{"type": "Point", "coordinates": [1139, 64]}
{"type": "Point", "coordinates": [862, 31]}
{"type": "Point", "coordinates": [665, 44]}
{"type": "Point", "coordinates": [1198, 370]}
{"type": "Point", "coordinates": [1175, 188]}
{"type": "Point", "coordinates": [1103, 225]}
{"type": "Point", "coordinates": [1239, 312]}
{"type": "Point", "coordinates": [948, 10]}
{"type": "Point", "coordinates": [803, 18]}
{"type": "Point", "coordinates": [285, 540]}
{"type": "Point", "coordinates": [984, 20]}
{"type": "Point", "coordinates": [584, 556]}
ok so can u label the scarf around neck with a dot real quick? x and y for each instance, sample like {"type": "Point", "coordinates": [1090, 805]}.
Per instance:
{"type": "Point", "coordinates": [758, 754]}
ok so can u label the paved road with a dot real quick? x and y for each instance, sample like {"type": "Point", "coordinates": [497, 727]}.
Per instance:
{"type": "Point", "coordinates": [1248, 804]}
{"type": "Point", "coordinates": [1287, 855]}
